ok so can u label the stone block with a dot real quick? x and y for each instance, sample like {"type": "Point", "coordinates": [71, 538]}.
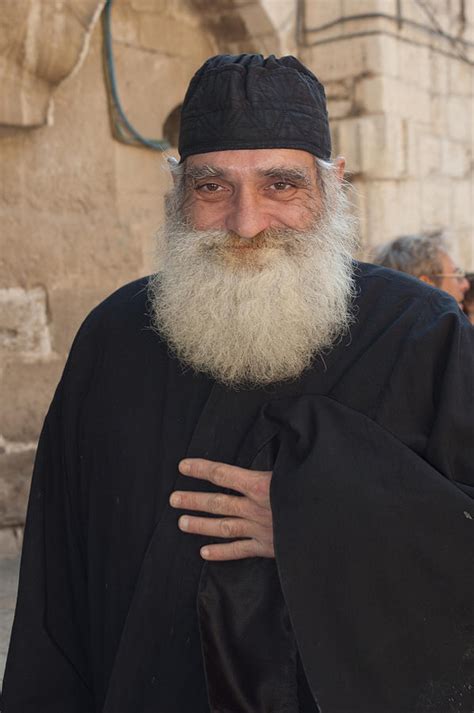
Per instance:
{"type": "Point", "coordinates": [429, 154]}
{"type": "Point", "coordinates": [461, 80]}
{"type": "Point", "coordinates": [462, 197]}
{"type": "Point", "coordinates": [383, 211]}
{"type": "Point", "coordinates": [358, 199]}
{"type": "Point", "coordinates": [156, 6]}
{"type": "Point", "coordinates": [11, 539]}
{"type": "Point", "coordinates": [346, 142]}
{"type": "Point", "coordinates": [30, 67]}
{"type": "Point", "coordinates": [345, 58]}
{"type": "Point", "coordinates": [24, 99]}
{"type": "Point", "coordinates": [435, 203]}
{"type": "Point", "coordinates": [339, 108]}
{"type": "Point", "coordinates": [460, 118]}
{"type": "Point", "coordinates": [414, 65]}
{"type": "Point", "coordinates": [322, 12]}
{"type": "Point", "coordinates": [137, 172]}
{"type": "Point", "coordinates": [15, 477]}
{"type": "Point", "coordinates": [393, 208]}
{"type": "Point", "coordinates": [361, 7]}
{"type": "Point", "coordinates": [372, 145]}
{"type": "Point", "coordinates": [257, 20]}
{"type": "Point", "coordinates": [27, 390]}
{"type": "Point", "coordinates": [409, 210]}
{"type": "Point", "coordinates": [411, 132]}
{"type": "Point", "coordinates": [124, 26]}
{"type": "Point", "coordinates": [439, 67]}
{"type": "Point", "coordinates": [465, 243]}
{"type": "Point", "coordinates": [439, 115]}
{"type": "Point", "coordinates": [166, 35]}
{"type": "Point", "coordinates": [414, 11]}
{"type": "Point", "coordinates": [382, 94]}
{"type": "Point", "coordinates": [145, 103]}
{"type": "Point", "coordinates": [455, 158]}
{"type": "Point", "coordinates": [338, 90]}
{"type": "Point", "coordinates": [24, 323]}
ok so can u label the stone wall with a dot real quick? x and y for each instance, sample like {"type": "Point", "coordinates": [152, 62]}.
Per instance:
{"type": "Point", "coordinates": [399, 78]}
{"type": "Point", "coordinates": [79, 209]}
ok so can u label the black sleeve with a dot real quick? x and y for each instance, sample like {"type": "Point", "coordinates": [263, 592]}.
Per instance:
{"type": "Point", "coordinates": [373, 520]}
{"type": "Point", "coordinates": [428, 401]}
{"type": "Point", "coordinates": [374, 551]}
{"type": "Point", "coordinates": [47, 663]}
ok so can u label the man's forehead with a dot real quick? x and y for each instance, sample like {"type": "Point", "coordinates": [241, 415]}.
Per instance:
{"type": "Point", "coordinates": [247, 161]}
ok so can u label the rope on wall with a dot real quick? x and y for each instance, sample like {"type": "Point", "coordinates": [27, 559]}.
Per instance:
{"type": "Point", "coordinates": [122, 129]}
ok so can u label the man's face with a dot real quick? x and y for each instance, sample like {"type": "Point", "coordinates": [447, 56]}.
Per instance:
{"type": "Point", "coordinates": [256, 276]}
{"type": "Point", "coordinates": [450, 282]}
{"type": "Point", "coordinates": [246, 192]}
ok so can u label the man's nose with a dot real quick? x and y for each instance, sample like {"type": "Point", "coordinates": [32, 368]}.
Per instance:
{"type": "Point", "coordinates": [464, 285]}
{"type": "Point", "coordinates": [246, 215]}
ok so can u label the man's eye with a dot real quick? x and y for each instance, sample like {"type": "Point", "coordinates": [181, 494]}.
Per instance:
{"type": "Point", "coordinates": [209, 187]}
{"type": "Point", "coordinates": [282, 186]}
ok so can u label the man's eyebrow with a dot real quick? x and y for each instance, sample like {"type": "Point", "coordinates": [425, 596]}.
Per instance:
{"type": "Point", "coordinates": [205, 171]}
{"type": "Point", "coordinates": [288, 173]}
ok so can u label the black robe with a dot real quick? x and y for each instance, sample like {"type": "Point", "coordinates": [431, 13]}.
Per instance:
{"type": "Point", "coordinates": [372, 455]}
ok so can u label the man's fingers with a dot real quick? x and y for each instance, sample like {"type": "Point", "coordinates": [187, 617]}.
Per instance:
{"type": "Point", "coordinates": [222, 527]}
{"type": "Point", "coordinates": [238, 550]}
{"type": "Point", "coordinates": [219, 504]}
{"type": "Point", "coordinates": [254, 483]}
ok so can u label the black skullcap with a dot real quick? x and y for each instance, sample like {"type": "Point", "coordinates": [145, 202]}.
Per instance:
{"type": "Point", "coordinates": [247, 101]}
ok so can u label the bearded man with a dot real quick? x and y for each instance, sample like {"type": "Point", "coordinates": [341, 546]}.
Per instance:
{"type": "Point", "coordinates": [252, 489]}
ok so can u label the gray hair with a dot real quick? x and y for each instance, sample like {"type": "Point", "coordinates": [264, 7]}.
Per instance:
{"type": "Point", "coordinates": [414, 254]}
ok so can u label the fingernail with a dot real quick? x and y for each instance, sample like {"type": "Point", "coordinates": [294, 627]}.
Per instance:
{"type": "Point", "coordinates": [175, 500]}
{"type": "Point", "coordinates": [184, 522]}
{"type": "Point", "coordinates": [185, 466]}
{"type": "Point", "coordinates": [205, 553]}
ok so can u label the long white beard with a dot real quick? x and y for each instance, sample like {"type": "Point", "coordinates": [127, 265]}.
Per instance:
{"type": "Point", "coordinates": [251, 317]}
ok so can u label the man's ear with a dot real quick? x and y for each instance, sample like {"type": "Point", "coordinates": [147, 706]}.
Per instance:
{"type": "Point", "coordinates": [428, 280]}
{"type": "Point", "coordinates": [172, 164]}
{"type": "Point", "coordinates": [340, 167]}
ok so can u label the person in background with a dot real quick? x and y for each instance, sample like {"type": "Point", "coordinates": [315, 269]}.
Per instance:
{"type": "Point", "coordinates": [468, 302]}
{"type": "Point", "coordinates": [427, 257]}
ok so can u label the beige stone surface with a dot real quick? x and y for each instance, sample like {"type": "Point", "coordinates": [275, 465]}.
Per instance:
{"type": "Point", "coordinates": [435, 203]}
{"type": "Point", "coordinates": [382, 94]}
{"type": "Point", "coordinates": [166, 35]}
{"type": "Point", "coordinates": [360, 7]}
{"type": "Point", "coordinates": [460, 118]}
{"type": "Point", "coordinates": [373, 145]}
{"type": "Point", "coordinates": [322, 12]}
{"type": "Point", "coordinates": [408, 218]}
{"type": "Point", "coordinates": [351, 57]}
{"type": "Point", "coordinates": [30, 68]}
{"type": "Point", "coordinates": [23, 323]}
{"type": "Point", "coordinates": [456, 160]}
{"type": "Point", "coordinates": [460, 78]}
{"type": "Point", "coordinates": [11, 539]}
{"type": "Point", "coordinates": [15, 477]}
{"type": "Point", "coordinates": [462, 215]}
{"type": "Point", "coordinates": [429, 154]}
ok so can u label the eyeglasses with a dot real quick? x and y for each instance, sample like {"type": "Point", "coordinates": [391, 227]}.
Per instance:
{"type": "Point", "coordinates": [458, 274]}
